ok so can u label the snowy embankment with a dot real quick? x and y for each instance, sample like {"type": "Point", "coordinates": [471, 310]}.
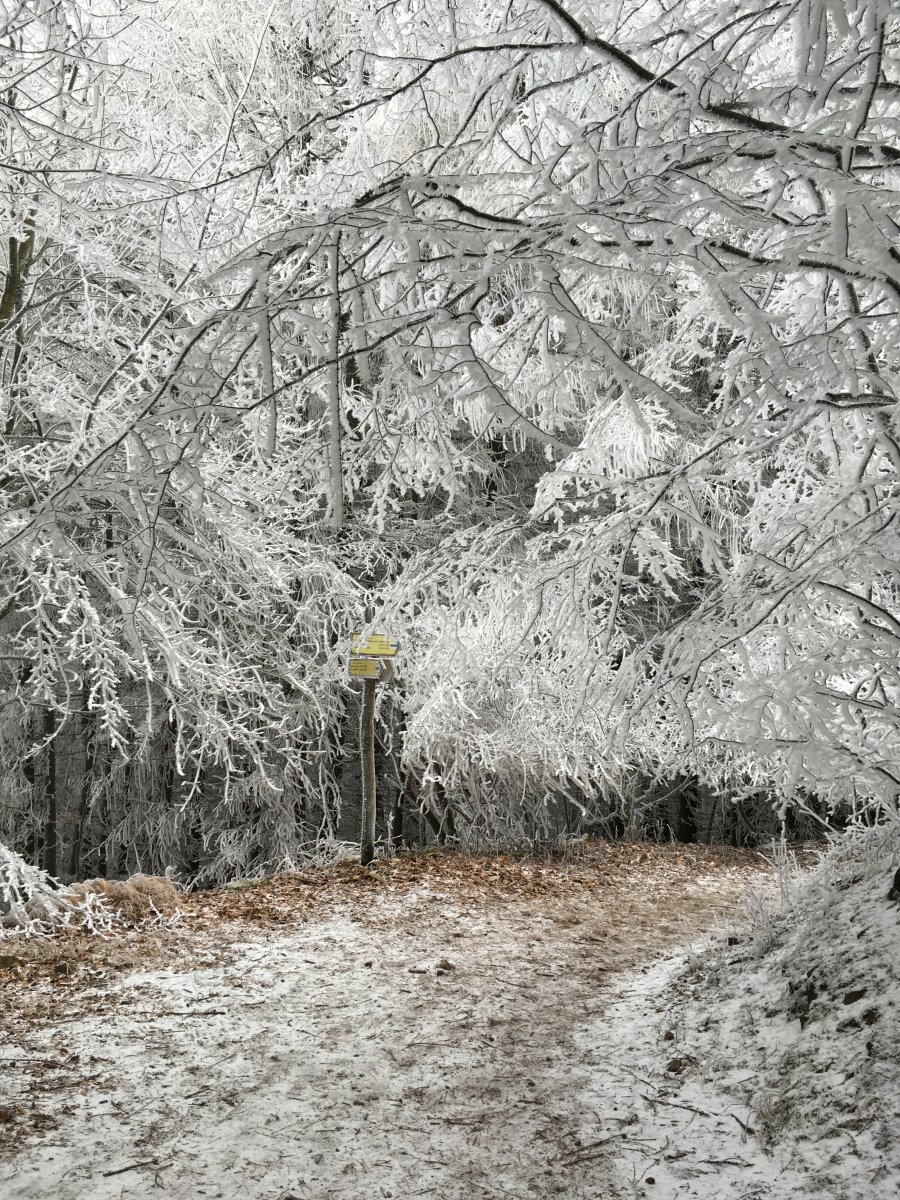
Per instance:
{"type": "Point", "coordinates": [480, 1032]}
{"type": "Point", "coordinates": [767, 1066]}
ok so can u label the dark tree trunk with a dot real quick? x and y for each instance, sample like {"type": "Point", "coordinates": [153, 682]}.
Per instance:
{"type": "Point", "coordinates": [448, 820]}
{"type": "Point", "coordinates": [499, 456]}
{"type": "Point", "coordinates": [117, 855]}
{"type": "Point", "coordinates": [51, 828]}
{"type": "Point", "coordinates": [34, 843]}
{"type": "Point", "coordinates": [195, 829]}
{"type": "Point", "coordinates": [687, 813]}
{"type": "Point", "coordinates": [395, 822]}
{"type": "Point", "coordinates": [731, 828]}
{"type": "Point", "coordinates": [169, 752]}
{"type": "Point", "coordinates": [89, 740]}
{"type": "Point", "coordinates": [440, 820]}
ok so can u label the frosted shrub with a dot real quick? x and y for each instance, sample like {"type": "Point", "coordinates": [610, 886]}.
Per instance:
{"type": "Point", "coordinates": [29, 900]}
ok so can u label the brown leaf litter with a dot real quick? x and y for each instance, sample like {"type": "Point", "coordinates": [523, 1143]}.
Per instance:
{"type": "Point", "coordinates": [597, 888]}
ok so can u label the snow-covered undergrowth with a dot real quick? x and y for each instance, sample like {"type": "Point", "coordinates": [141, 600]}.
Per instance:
{"type": "Point", "coordinates": [811, 1004]}
{"type": "Point", "coordinates": [766, 1065]}
{"type": "Point", "coordinates": [33, 904]}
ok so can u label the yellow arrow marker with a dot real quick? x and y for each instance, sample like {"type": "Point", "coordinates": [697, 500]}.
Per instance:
{"type": "Point", "coordinates": [376, 645]}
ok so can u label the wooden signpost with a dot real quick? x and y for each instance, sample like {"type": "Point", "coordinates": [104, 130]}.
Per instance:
{"type": "Point", "coordinates": [370, 661]}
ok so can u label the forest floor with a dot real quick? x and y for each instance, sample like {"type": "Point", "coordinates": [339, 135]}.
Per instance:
{"type": "Point", "coordinates": [437, 1026]}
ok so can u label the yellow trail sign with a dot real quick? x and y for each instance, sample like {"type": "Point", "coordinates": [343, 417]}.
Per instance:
{"type": "Point", "coordinates": [365, 668]}
{"type": "Point", "coordinates": [376, 645]}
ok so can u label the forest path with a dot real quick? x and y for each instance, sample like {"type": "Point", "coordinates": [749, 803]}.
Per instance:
{"type": "Point", "coordinates": [413, 1031]}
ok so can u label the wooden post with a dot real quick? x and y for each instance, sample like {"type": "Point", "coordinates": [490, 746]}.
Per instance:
{"type": "Point", "coordinates": [370, 661]}
{"type": "Point", "coordinates": [367, 753]}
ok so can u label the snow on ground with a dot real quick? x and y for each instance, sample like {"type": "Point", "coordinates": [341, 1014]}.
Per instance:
{"type": "Point", "coordinates": [439, 1042]}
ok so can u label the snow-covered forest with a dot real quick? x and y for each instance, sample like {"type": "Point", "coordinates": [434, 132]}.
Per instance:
{"type": "Point", "coordinates": [559, 341]}
{"type": "Point", "coordinates": [552, 346]}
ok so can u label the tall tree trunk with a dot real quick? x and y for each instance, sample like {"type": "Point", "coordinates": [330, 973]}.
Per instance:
{"type": "Point", "coordinates": [395, 819]}
{"type": "Point", "coordinates": [194, 835]}
{"type": "Point", "coordinates": [117, 851]}
{"type": "Point", "coordinates": [268, 373]}
{"type": "Point", "coordinates": [20, 252]}
{"type": "Point", "coordinates": [33, 845]}
{"type": "Point", "coordinates": [169, 752]}
{"type": "Point", "coordinates": [335, 463]}
{"type": "Point", "coordinates": [89, 741]}
{"type": "Point", "coordinates": [687, 811]}
{"type": "Point", "coordinates": [51, 828]}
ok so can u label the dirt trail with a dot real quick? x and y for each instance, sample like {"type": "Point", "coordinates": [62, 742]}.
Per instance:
{"type": "Point", "coordinates": [406, 1032]}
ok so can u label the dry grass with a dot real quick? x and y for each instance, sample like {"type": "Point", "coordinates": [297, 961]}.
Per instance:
{"type": "Point", "coordinates": [137, 899]}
